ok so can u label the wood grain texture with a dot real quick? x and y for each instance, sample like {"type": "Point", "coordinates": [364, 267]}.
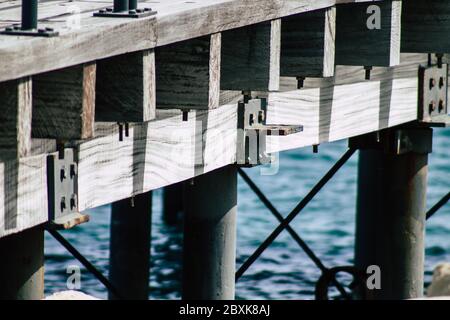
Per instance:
{"type": "Point", "coordinates": [308, 44]}
{"type": "Point", "coordinates": [98, 38]}
{"type": "Point", "coordinates": [64, 103]}
{"type": "Point", "coordinates": [125, 88]}
{"type": "Point", "coordinates": [15, 118]}
{"type": "Point", "coordinates": [188, 74]}
{"type": "Point", "coordinates": [425, 26]}
{"type": "Point", "coordinates": [251, 57]}
{"type": "Point", "coordinates": [358, 45]}
{"type": "Point", "coordinates": [341, 107]}
{"type": "Point", "coordinates": [156, 154]}
{"type": "Point", "coordinates": [23, 194]}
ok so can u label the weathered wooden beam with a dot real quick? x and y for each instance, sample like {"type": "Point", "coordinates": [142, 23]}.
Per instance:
{"type": "Point", "coordinates": [23, 194]}
{"type": "Point", "coordinates": [425, 26]}
{"type": "Point", "coordinates": [125, 88]}
{"type": "Point", "coordinates": [170, 149]}
{"type": "Point", "coordinates": [251, 57]}
{"type": "Point", "coordinates": [15, 118]}
{"type": "Point", "coordinates": [341, 107]}
{"type": "Point", "coordinates": [188, 74]}
{"type": "Point", "coordinates": [64, 103]}
{"type": "Point", "coordinates": [368, 34]}
{"type": "Point", "coordinates": [307, 44]}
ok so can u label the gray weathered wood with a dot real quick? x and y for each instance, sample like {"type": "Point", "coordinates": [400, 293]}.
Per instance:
{"type": "Point", "coordinates": [125, 88]}
{"type": "Point", "coordinates": [359, 45]}
{"type": "Point", "coordinates": [342, 107]}
{"type": "Point", "coordinates": [425, 26]}
{"type": "Point", "coordinates": [15, 118]}
{"type": "Point", "coordinates": [98, 38]}
{"type": "Point", "coordinates": [64, 103]}
{"type": "Point", "coordinates": [188, 74]}
{"type": "Point", "coordinates": [307, 44]}
{"type": "Point", "coordinates": [251, 57]}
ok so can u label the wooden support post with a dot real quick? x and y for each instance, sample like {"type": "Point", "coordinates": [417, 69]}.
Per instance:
{"type": "Point", "coordinates": [251, 57]}
{"type": "Point", "coordinates": [64, 103]}
{"type": "Point", "coordinates": [15, 117]}
{"type": "Point", "coordinates": [425, 26]}
{"type": "Point", "coordinates": [368, 34]}
{"type": "Point", "coordinates": [391, 209]}
{"type": "Point", "coordinates": [129, 259]}
{"type": "Point", "coordinates": [188, 74]}
{"type": "Point", "coordinates": [210, 236]}
{"type": "Point", "coordinates": [173, 205]}
{"type": "Point", "coordinates": [307, 44]}
{"type": "Point", "coordinates": [125, 88]}
{"type": "Point", "coordinates": [22, 265]}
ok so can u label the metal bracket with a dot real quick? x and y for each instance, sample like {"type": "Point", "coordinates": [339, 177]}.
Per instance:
{"type": "Point", "coordinates": [253, 131]}
{"type": "Point", "coordinates": [16, 30]}
{"type": "Point", "coordinates": [433, 99]}
{"type": "Point", "coordinates": [62, 182]}
{"type": "Point", "coordinates": [134, 13]}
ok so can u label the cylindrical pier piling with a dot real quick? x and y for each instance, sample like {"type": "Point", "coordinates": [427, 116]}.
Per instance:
{"type": "Point", "coordinates": [22, 265]}
{"type": "Point", "coordinates": [173, 205]}
{"type": "Point", "coordinates": [130, 247]}
{"type": "Point", "coordinates": [210, 236]}
{"type": "Point", "coordinates": [391, 209]}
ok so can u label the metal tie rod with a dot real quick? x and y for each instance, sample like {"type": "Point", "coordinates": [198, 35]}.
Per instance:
{"type": "Point", "coordinates": [291, 231]}
{"type": "Point", "coordinates": [91, 268]}
{"type": "Point", "coordinates": [314, 191]}
{"type": "Point", "coordinates": [438, 206]}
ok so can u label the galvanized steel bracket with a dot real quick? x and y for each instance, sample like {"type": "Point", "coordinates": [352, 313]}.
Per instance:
{"type": "Point", "coordinates": [134, 13]}
{"type": "Point", "coordinates": [16, 30]}
{"type": "Point", "coordinates": [62, 184]}
{"type": "Point", "coordinates": [433, 96]}
{"type": "Point", "coordinates": [253, 131]}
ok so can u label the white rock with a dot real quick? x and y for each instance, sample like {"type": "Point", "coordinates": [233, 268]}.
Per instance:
{"type": "Point", "coordinates": [70, 295]}
{"type": "Point", "coordinates": [440, 285]}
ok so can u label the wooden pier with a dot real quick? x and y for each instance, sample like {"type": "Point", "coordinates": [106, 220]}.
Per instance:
{"type": "Point", "coordinates": [118, 106]}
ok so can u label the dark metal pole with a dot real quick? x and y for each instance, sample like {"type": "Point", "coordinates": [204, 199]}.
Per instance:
{"type": "Point", "coordinates": [210, 236]}
{"type": "Point", "coordinates": [29, 14]}
{"type": "Point", "coordinates": [291, 231]}
{"type": "Point", "coordinates": [22, 265]}
{"type": "Point", "coordinates": [133, 4]}
{"type": "Point", "coordinates": [130, 247]}
{"type": "Point", "coordinates": [391, 216]}
{"type": "Point", "coordinates": [173, 203]}
{"type": "Point", "coordinates": [438, 205]}
{"type": "Point", "coordinates": [120, 5]}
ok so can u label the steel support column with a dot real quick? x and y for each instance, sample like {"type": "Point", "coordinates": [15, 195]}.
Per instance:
{"type": "Point", "coordinates": [22, 265]}
{"type": "Point", "coordinates": [173, 203]}
{"type": "Point", "coordinates": [391, 208]}
{"type": "Point", "coordinates": [130, 247]}
{"type": "Point", "coordinates": [210, 236]}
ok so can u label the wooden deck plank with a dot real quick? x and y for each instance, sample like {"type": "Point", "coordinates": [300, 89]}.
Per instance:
{"type": "Point", "coordinates": [98, 38]}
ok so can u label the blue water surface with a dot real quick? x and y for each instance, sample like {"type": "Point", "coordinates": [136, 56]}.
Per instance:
{"type": "Point", "coordinates": [283, 271]}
